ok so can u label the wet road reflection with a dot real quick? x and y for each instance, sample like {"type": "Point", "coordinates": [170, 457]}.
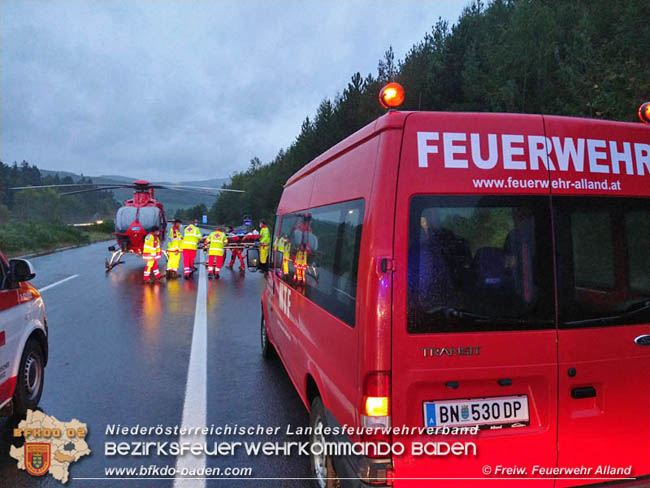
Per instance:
{"type": "Point", "coordinates": [119, 353]}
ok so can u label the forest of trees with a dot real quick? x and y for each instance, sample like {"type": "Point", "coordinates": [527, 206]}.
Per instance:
{"type": "Point", "coordinates": [46, 204]}
{"type": "Point", "coordinates": [583, 58]}
{"type": "Point", "coordinates": [188, 214]}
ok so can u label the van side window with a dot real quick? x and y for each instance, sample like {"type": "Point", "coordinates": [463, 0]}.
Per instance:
{"type": "Point", "coordinates": [479, 263]}
{"type": "Point", "coordinates": [283, 261]}
{"type": "Point", "coordinates": [274, 240]}
{"type": "Point", "coordinates": [318, 255]}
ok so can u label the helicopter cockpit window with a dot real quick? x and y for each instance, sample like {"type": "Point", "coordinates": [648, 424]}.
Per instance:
{"type": "Point", "coordinates": [125, 216]}
{"type": "Point", "coordinates": [149, 217]}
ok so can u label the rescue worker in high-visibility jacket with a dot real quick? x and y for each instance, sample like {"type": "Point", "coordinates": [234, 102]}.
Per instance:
{"type": "Point", "coordinates": [174, 249]}
{"type": "Point", "coordinates": [235, 252]}
{"type": "Point", "coordinates": [216, 243]}
{"type": "Point", "coordinates": [151, 253]}
{"type": "Point", "coordinates": [265, 243]}
{"type": "Point", "coordinates": [300, 263]}
{"type": "Point", "coordinates": [191, 238]}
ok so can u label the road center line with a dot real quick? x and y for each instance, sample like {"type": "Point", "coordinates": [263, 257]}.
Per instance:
{"type": "Point", "coordinates": [57, 283]}
{"type": "Point", "coordinates": [194, 409]}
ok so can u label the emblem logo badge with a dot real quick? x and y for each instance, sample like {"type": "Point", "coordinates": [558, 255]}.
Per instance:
{"type": "Point", "coordinates": [643, 340]}
{"type": "Point", "coordinates": [464, 411]}
{"type": "Point", "coordinates": [37, 458]}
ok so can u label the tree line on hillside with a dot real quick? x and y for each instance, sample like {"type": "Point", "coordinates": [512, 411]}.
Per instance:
{"type": "Point", "coordinates": [187, 215]}
{"type": "Point", "coordinates": [47, 204]}
{"type": "Point", "coordinates": [563, 57]}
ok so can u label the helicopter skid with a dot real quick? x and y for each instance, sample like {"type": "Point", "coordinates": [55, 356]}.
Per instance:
{"type": "Point", "coordinates": [115, 260]}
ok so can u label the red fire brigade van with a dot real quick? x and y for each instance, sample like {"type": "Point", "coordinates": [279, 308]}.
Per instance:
{"type": "Point", "coordinates": [470, 270]}
{"type": "Point", "coordinates": [23, 338]}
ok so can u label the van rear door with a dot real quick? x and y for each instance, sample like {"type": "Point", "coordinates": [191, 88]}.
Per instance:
{"type": "Point", "coordinates": [474, 335]}
{"type": "Point", "coordinates": [602, 223]}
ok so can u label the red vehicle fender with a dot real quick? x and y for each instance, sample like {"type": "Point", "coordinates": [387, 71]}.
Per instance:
{"type": "Point", "coordinates": [314, 372]}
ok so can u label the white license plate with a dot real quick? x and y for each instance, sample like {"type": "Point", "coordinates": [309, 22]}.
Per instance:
{"type": "Point", "coordinates": [487, 413]}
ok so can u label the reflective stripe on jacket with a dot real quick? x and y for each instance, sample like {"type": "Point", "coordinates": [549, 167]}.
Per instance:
{"type": "Point", "coordinates": [217, 240]}
{"type": "Point", "coordinates": [151, 250]}
{"type": "Point", "coordinates": [191, 237]}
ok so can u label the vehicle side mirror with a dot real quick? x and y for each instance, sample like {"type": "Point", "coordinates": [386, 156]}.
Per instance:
{"type": "Point", "coordinates": [253, 258]}
{"type": "Point", "coordinates": [21, 270]}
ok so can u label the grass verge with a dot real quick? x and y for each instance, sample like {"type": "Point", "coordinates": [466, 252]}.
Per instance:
{"type": "Point", "coordinates": [20, 238]}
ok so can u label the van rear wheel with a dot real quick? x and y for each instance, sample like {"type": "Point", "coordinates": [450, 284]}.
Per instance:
{"type": "Point", "coordinates": [29, 384]}
{"type": "Point", "coordinates": [322, 466]}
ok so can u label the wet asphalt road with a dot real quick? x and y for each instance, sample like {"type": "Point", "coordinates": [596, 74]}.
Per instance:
{"type": "Point", "coordinates": [119, 354]}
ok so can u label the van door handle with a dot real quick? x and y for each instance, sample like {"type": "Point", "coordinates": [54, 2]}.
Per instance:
{"type": "Point", "coordinates": [583, 392]}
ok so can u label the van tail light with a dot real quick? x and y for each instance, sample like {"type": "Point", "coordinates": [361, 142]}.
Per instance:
{"type": "Point", "coordinates": [375, 408]}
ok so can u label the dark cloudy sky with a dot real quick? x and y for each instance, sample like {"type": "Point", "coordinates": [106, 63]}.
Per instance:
{"type": "Point", "coordinates": [169, 90]}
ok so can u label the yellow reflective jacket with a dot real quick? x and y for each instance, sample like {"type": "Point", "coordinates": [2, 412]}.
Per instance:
{"type": "Point", "coordinates": [191, 237]}
{"type": "Point", "coordinates": [175, 237]}
{"type": "Point", "coordinates": [301, 258]}
{"type": "Point", "coordinates": [279, 245]}
{"type": "Point", "coordinates": [286, 253]}
{"type": "Point", "coordinates": [151, 250]}
{"type": "Point", "coordinates": [217, 240]}
{"type": "Point", "coordinates": [265, 236]}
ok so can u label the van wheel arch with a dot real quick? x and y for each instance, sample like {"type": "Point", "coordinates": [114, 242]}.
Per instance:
{"type": "Point", "coordinates": [39, 337]}
{"type": "Point", "coordinates": [311, 390]}
{"type": "Point", "coordinates": [267, 349]}
{"type": "Point", "coordinates": [31, 377]}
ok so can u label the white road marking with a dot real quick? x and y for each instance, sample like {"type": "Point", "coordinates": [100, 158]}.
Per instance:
{"type": "Point", "coordinates": [194, 409]}
{"type": "Point", "coordinates": [57, 283]}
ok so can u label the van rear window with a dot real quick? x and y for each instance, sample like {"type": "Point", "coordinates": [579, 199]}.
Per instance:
{"type": "Point", "coordinates": [479, 263]}
{"type": "Point", "coordinates": [603, 256]}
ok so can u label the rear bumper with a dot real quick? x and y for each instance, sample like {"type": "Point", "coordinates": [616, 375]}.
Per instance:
{"type": "Point", "coordinates": [364, 472]}
{"type": "Point", "coordinates": [358, 471]}
{"type": "Point", "coordinates": [639, 482]}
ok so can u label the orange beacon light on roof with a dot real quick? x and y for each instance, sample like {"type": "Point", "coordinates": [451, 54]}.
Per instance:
{"type": "Point", "coordinates": [644, 112]}
{"type": "Point", "coordinates": [391, 95]}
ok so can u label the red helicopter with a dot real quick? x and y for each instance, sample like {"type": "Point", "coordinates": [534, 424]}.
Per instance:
{"type": "Point", "coordinates": [137, 217]}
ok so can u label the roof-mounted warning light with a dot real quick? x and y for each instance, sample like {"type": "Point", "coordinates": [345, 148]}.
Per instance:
{"type": "Point", "coordinates": [392, 95]}
{"type": "Point", "coordinates": [644, 112]}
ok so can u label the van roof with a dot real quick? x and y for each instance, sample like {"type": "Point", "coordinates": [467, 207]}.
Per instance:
{"type": "Point", "coordinates": [390, 120]}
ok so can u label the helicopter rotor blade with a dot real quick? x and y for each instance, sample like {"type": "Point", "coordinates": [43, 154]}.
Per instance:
{"type": "Point", "coordinates": [191, 188]}
{"type": "Point", "coordinates": [188, 191]}
{"type": "Point", "coordinates": [36, 187]}
{"type": "Point", "coordinates": [92, 189]}
{"type": "Point", "coordinates": [112, 186]}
